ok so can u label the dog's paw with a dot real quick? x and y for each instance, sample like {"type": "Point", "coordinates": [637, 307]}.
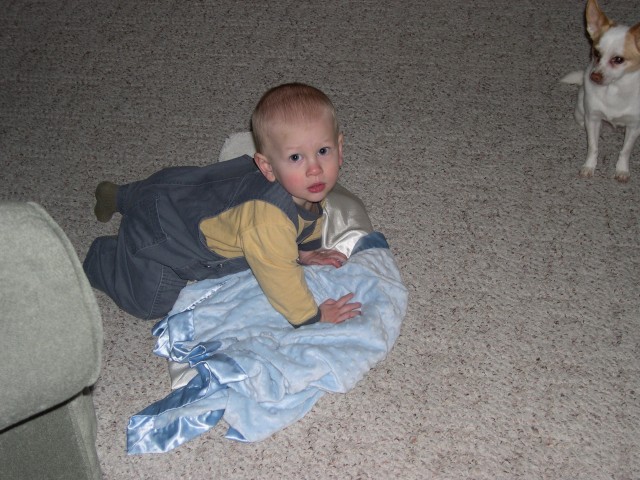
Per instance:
{"type": "Point", "coordinates": [586, 172]}
{"type": "Point", "coordinates": [622, 176]}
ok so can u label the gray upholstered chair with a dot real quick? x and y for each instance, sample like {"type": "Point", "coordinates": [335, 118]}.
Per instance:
{"type": "Point", "coordinates": [50, 351]}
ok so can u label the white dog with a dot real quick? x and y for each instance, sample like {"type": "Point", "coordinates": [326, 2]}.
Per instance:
{"type": "Point", "coordinates": [610, 87]}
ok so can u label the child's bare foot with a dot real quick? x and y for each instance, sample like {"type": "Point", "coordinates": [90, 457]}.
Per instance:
{"type": "Point", "coordinates": [106, 204]}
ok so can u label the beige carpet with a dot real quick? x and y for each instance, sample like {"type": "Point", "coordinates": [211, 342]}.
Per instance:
{"type": "Point", "coordinates": [520, 354]}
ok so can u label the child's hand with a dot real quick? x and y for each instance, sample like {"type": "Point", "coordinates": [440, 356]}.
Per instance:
{"type": "Point", "coordinates": [322, 257]}
{"type": "Point", "coordinates": [337, 311]}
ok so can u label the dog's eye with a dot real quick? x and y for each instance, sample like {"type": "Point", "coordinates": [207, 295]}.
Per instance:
{"type": "Point", "coordinates": [617, 60]}
{"type": "Point", "coordinates": [596, 55]}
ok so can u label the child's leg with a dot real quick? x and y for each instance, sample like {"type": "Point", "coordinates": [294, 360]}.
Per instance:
{"type": "Point", "coordinates": [134, 268]}
{"type": "Point", "coordinates": [112, 198]}
{"type": "Point", "coordinates": [142, 287]}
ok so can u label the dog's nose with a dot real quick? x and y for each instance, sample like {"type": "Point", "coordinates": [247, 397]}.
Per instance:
{"type": "Point", "coordinates": [596, 77]}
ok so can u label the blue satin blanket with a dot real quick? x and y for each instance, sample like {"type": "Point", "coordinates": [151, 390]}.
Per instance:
{"type": "Point", "coordinates": [254, 370]}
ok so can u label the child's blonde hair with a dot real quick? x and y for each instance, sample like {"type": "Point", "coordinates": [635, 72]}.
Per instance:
{"type": "Point", "coordinates": [289, 103]}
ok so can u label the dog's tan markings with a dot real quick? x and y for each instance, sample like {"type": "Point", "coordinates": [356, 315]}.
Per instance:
{"type": "Point", "coordinates": [597, 21]}
{"type": "Point", "coordinates": [632, 48]}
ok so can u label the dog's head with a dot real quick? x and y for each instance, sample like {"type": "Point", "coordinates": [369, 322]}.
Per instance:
{"type": "Point", "coordinates": [615, 48]}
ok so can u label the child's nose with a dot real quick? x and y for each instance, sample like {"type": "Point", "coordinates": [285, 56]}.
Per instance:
{"type": "Point", "coordinates": [314, 168]}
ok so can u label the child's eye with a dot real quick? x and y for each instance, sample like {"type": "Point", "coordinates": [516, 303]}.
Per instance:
{"type": "Point", "coordinates": [295, 157]}
{"type": "Point", "coordinates": [323, 151]}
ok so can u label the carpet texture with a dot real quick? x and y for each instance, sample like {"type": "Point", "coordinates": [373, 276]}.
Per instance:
{"type": "Point", "coordinates": [520, 353]}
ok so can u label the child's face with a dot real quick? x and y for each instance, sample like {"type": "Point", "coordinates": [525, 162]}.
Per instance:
{"type": "Point", "coordinates": [304, 158]}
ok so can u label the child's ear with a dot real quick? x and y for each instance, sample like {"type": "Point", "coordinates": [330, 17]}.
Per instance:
{"type": "Point", "coordinates": [264, 166]}
{"type": "Point", "coordinates": [340, 143]}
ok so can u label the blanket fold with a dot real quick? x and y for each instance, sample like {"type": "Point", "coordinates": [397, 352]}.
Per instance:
{"type": "Point", "coordinates": [255, 371]}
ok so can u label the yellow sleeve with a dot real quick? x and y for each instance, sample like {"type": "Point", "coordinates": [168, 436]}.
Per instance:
{"type": "Point", "coordinates": [268, 241]}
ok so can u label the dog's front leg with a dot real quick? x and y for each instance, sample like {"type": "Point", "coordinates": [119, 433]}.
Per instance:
{"type": "Point", "coordinates": [622, 167]}
{"type": "Point", "coordinates": [593, 132]}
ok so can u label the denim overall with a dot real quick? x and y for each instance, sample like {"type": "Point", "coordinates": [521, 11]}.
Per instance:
{"type": "Point", "coordinates": [160, 247]}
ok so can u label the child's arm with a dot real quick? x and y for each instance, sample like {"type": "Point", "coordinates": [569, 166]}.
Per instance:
{"type": "Point", "coordinates": [332, 311]}
{"type": "Point", "coordinates": [271, 252]}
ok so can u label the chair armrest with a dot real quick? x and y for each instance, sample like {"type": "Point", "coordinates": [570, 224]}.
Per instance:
{"type": "Point", "coordinates": [50, 325]}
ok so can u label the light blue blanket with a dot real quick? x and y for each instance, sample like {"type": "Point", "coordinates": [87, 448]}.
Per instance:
{"type": "Point", "coordinates": [256, 371]}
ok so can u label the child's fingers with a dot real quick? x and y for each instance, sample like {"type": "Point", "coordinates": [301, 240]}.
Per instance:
{"type": "Point", "coordinates": [332, 257]}
{"type": "Point", "coordinates": [344, 299]}
{"type": "Point", "coordinates": [348, 309]}
{"type": "Point", "coordinates": [337, 311]}
{"type": "Point", "coordinates": [346, 315]}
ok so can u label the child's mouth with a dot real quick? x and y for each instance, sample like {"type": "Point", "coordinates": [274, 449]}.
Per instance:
{"type": "Point", "coordinates": [317, 187]}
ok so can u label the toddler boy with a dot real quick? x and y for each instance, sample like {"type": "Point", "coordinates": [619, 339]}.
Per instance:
{"type": "Point", "coordinates": [191, 223]}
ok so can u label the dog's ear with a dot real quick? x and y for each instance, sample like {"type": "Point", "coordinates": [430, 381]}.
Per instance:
{"type": "Point", "coordinates": [634, 33]}
{"type": "Point", "coordinates": [597, 21]}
